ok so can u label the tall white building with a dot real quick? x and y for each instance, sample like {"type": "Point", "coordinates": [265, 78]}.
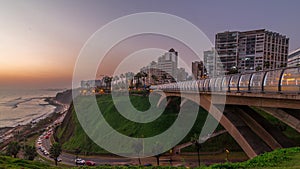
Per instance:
{"type": "Point", "coordinates": [167, 64]}
{"type": "Point", "coordinates": [294, 58]}
{"type": "Point", "coordinates": [165, 70]}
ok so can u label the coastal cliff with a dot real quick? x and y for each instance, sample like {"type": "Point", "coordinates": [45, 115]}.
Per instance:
{"type": "Point", "coordinates": [64, 97]}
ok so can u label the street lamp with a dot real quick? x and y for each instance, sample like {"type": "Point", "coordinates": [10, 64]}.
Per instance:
{"type": "Point", "coordinates": [227, 154]}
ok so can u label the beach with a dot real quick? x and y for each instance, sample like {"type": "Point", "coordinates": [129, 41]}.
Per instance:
{"type": "Point", "coordinates": [54, 107]}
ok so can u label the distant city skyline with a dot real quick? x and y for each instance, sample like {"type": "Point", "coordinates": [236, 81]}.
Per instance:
{"type": "Point", "coordinates": [40, 40]}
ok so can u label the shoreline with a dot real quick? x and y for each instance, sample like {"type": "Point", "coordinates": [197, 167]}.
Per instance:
{"type": "Point", "coordinates": [36, 125]}
{"type": "Point", "coordinates": [38, 117]}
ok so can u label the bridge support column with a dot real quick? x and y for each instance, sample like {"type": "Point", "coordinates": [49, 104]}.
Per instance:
{"type": "Point", "coordinates": [283, 116]}
{"type": "Point", "coordinates": [257, 127]}
{"type": "Point", "coordinates": [183, 102]}
{"type": "Point", "coordinates": [161, 99]}
{"type": "Point", "coordinates": [249, 142]}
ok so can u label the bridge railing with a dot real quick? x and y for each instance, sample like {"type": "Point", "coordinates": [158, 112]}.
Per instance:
{"type": "Point", "coordinates": [285, 80]}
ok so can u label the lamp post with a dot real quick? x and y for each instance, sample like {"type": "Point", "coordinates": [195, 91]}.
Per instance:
{"type": "Point", "coordinates": [227, 154]}
{"type": "Point", "coordinates": [171, 151]}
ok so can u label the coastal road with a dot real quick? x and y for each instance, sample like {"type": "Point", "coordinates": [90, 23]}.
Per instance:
{"type": "Point", "coordinates": [69, 159]}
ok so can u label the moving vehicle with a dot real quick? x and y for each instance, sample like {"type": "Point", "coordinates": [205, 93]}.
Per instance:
{"type": "Point", "coordinates": [90, 163]}
{"type": "Point", "coordinates": [79, 161]}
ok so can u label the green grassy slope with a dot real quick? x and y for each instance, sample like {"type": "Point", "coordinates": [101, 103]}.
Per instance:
{"type": "Point", "coordinates": [16, 163]}
{"type": "Point", "coordinates": [72, 135]}
{"type": "Point", "coordinates": [282, 159]}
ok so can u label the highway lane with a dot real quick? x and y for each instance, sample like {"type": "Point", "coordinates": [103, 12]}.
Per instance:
{"type": "Point", "coordinates": [69, 159]}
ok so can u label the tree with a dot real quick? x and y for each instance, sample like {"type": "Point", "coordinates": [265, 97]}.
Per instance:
{"type": "Point", "coordinates": [267, 64]}
{"type": "Point", "coordinates": [13, 149]}
{"type": "Point", "coordinates": [197, 144]}
{"type": "Point", "coordinates": [144, 76]}
{"type": "Point", "coordinates": [258, 68]}
{"type": "Point", "coordinates": [55, 151]}
{"type": "Point", "coordinates": [107, 81]}
{"type": "Point", "coordinates": [155, 79]}
{"type": "Point", "coordinates": [156, 150]}
{"type": "Point", "coordinates": [138, 76]}
{"type": "Point", "coordinates": [30, 152]}
{"type": "Point", "coordinates": [233, 70]}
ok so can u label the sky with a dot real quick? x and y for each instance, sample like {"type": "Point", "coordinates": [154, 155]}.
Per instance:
{"type": "Point", "coordinates": [40, 40]}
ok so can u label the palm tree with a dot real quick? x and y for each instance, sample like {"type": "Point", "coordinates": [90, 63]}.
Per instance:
{"type": "Point", "coordinates": [154, 77]}
{"type": "Point", "coordinates": [55, 151]}
{"type": "Point", "coordinates": [30, 152]}
{"type": "Point", "coordinates": [137, 77]}
{"type": "Point", "coordinates": [164, 77]}
{"type": "Point", "coordinates": [13, 149]}
{"type": "Point", "coordinates": [197, 144]}
{"type": "Point", "coordinates": [107, 81]}
{"type": "Point", "coordinates": [144, 76]}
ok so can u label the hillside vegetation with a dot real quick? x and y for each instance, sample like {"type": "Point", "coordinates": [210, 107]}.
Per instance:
{"type": "Point", "coordinates": [72, 136]}
{"type": "Point", "coordinates": [16, 163]}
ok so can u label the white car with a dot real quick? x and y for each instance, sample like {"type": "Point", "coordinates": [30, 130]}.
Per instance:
{"type": "Point", "coordinates": [46, 153]}
{"type": "Point", "coordinates": [59, 159]}
{"type": "Point", "coordinates": [79, 161]}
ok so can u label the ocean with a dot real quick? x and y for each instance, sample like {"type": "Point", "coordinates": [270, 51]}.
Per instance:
{"type": "Point", "coordinates": [18, 107]}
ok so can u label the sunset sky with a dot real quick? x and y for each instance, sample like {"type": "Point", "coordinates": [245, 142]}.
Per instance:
{"type": "Point", "coordinates": [40, 40]}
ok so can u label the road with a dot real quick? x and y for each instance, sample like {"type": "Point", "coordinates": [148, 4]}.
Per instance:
{"type": "Point", "coordinates": [189, 159]}
{"type": "Point", "coordinates": [69, 159]}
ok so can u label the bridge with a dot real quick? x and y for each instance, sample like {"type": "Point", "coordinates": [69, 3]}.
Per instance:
{"type": "Point", "coordinates": [275, 92]}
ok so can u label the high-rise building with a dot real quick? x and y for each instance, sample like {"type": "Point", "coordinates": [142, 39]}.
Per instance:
{"type": "Point", "coordinates": [167, 64]}
{"type": "Point", "coordinates": [209, 58]}
{"type": "Point", "coordinates": [226, 44]}
{"type": "Point", "coordinates": [165, 70]}
{"type": "Point", "coordinates": [152, 73]}
{"type": "Point", "coordinates": [294, 58]}
{"type": "Point", "coordinates": [250, 51]}
{"type": "Point", "coordinates": [198, 69]}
